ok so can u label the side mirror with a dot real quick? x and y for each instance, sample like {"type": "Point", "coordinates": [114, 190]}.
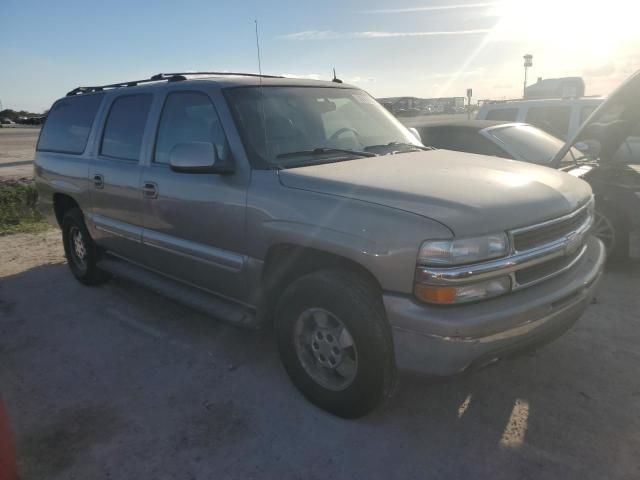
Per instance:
{"type": "Point", "coordinates": [416, 133]}
{"type": "Point", "coordinates": [197, 157]}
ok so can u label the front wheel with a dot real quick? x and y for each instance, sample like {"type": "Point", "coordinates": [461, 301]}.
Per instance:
{"type": "Point", "coordinates": [335, 343]}
{"type": "Point", "coordinates": [80, 250]}
{"type": "Point", "coordinates": [612, 230]}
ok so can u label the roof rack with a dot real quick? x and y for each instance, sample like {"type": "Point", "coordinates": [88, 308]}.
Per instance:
{"type": "Point", "coordinates": [159, 77]}
{"type": "Point", "coordinates": [162, 76]}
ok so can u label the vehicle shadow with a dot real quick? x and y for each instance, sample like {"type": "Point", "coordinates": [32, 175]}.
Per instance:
{"type": "Point", "coordinates": [144, 374]}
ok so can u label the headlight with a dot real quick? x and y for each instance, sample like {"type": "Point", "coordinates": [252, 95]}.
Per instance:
{"type": "Point", "coordinates": [463, 250]}
{"type": "Point", "coordinates": [446, 295]}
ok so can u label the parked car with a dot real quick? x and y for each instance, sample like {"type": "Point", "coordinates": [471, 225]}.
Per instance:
{"type": "Point", "coordinates": [306, 203]}
{"type": "Point", "coordinates": [560, 117]}
{"type": "Point", "coordinates": [6, 121]}
{"type": "Point", "coordinates": [613, 182]}
{"type": "Point", "coordinates": [610, 159]}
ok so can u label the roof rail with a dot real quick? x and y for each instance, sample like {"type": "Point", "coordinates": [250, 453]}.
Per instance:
{"type": "Point", "coordinates": [131, 83]}
{"type": "Point", "coordinates": [159, 77]}
{"type": "Point", "coordinates": [162, 76]}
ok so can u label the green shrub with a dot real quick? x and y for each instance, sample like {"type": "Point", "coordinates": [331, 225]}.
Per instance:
{"type": "Point", "coordinates": [18, 208]}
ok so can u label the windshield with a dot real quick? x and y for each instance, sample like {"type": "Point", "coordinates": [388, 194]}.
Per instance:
{"type": "Point", "coordinates": [530, 144]}
{"type": "Point", "coordinates": [280, 123]}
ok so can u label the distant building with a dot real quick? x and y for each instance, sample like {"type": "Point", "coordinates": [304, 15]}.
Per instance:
{"type": "Point", "coordinates": [556, 88]}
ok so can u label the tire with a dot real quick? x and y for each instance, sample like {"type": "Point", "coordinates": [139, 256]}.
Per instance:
{"type": "Point", "coordinates": [365, 373]}
{"type": "Point", "coordinates": [79, 248]}
{"type": "Point", "coordinates": [611, 228]}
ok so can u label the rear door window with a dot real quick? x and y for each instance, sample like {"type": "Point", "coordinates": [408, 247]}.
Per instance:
{"type": "Point", "coordinates": [503, 114]}
{"type": "Point", "coordinates": [124, 128]}
{"type": "Point", "coordinates": [551, 119]}
{"type": "Point", "coordinates": [69, 123]}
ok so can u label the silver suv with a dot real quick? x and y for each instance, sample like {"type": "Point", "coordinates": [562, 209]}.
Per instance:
{"type": "Point", "coordinates": [305, 204]}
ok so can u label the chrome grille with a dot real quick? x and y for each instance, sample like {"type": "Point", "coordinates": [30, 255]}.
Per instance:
{"type": "Point", "coordinates": [537, 273]}
{"type": "Point", "coordinates": [566, 236]}
{"type": "Point", "coordinates": [538, 252]}
{"type": "Point", "coordinates": [530, 238]}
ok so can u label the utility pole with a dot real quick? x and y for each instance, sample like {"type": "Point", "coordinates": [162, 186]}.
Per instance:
{"type": "Point", "coordinates": [528, 62]}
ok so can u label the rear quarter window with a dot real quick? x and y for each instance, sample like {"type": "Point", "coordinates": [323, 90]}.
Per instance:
{"type": "Point", "coordinates": [551, 119]}
{"type": "Point", "coordinates": [503, 114]}
{"type": "Point", "coordinates": [68, 124]}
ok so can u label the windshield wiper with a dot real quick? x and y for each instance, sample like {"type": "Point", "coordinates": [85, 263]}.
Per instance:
{"type": "Point", "coordinates": [409, 146]}
{"type": "Point", "coordinates": [324, 151]}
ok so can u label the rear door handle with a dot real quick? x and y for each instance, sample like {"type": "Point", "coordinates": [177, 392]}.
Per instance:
{"type": "Point", "coordinates": [98, 181]}
{"type": "Point", "coordinates": [150, 190]}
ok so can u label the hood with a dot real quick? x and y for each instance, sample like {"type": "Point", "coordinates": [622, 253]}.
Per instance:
{"type": "Point", "coordinates": [470, 194]}
{"type": "Point", "coordinates": [607, 121]}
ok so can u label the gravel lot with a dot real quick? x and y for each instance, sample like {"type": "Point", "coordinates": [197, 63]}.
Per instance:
{"type": "Point", "coordinates": [117, 382]}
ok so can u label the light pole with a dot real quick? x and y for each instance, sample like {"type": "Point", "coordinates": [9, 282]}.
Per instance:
{"type": "Point", "coordinates": [528, 62]}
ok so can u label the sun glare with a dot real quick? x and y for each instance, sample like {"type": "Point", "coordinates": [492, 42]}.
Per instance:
{"type": "Point", "coordinates": [590, 32]}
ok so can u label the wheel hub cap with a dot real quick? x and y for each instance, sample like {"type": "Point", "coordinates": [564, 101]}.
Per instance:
{"type": "Point", "coordinates": [78, 245]}
{"type": "Point", "coordinates": [326, 349]}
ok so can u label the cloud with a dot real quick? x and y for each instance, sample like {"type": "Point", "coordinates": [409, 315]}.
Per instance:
{"type": "Point", "coordinates": [467, 73]}
{"type": "Point", "coordinates": [331, 35]}
{"type": "Point", "coordinates": [433, 8]}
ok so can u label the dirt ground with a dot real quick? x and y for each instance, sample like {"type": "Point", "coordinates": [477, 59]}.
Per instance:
{"type": "Point", "coordinates": [117, 382]}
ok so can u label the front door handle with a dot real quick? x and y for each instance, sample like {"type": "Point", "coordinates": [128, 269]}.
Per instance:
{"type": "Point", "coordinates": [150, 190]}
{"type": "Point", "coordinates": [98, 181]}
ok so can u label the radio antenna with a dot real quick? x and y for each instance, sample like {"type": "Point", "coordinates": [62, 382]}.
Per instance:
{"type": "Point", "coordinates": [335, 79]}
{"type": "Point", "coordinates": [264, 115]}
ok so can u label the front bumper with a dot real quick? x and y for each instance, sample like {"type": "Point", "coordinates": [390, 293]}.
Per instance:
{"type": "Point", "coordinates": [447, 340]}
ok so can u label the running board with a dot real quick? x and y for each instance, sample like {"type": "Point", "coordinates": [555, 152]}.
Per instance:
{"type": "Point", "coordinates": [192, 297]}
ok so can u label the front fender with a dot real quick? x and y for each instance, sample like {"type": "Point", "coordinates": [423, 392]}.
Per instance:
{"type": "Point", "coordinates": [383, 240]}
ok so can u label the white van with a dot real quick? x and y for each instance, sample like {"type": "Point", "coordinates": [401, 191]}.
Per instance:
{"type": "Point", "coordinates": [560, 117]}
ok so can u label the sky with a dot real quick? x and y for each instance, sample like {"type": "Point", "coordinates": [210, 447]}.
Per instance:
{"type": "Point", "coordinates": [425, 48]}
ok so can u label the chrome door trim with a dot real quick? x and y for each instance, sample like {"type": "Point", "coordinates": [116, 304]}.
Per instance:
{"type": "Point", "coordinates": [181, 280]}
{"type": "Point", "coordinates": [116, 227]}
{"type": "Point", "coordinates": [197, 251]}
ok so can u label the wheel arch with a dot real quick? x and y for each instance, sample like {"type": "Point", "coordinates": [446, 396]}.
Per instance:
{"type": "Point", "coordinates": [285, 262]}
{"type": "Point", "coordinates": [62, 203]}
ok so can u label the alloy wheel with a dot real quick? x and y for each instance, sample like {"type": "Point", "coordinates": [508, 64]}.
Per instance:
{"type": "Point", "coordinates": [326, 349]}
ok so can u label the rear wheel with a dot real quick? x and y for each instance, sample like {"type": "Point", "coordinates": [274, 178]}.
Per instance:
{"type": "Point", "coordinates": [335, 343]}
{"type": "Point", "coordinates": [80, 250]}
